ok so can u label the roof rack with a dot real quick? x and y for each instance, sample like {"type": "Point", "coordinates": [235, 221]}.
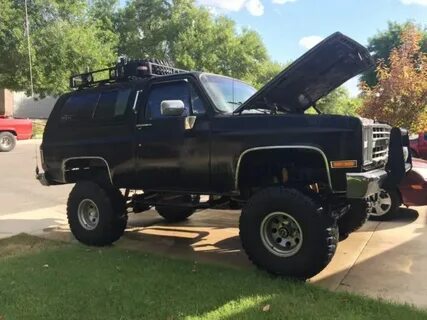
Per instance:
{"type": "Point", "coordinates": [124, 71]}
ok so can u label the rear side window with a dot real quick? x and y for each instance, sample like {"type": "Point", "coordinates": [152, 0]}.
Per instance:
{"type": "Point", "coordinates": [79, 107]}
{"type": "Point", "coordinates": [112, 104]}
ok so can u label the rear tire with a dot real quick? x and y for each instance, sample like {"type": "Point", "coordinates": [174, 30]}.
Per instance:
{"type": "Point", "coordinates": [353, 220]}
{"type": "Point", "coordinates": [7, 141]}
{"type": "Point", "coordinates": [96, 213]}
{"type": "Point", "coordinates": [286, 233]}
{"type": "Point", "coordinates": [387, 206]}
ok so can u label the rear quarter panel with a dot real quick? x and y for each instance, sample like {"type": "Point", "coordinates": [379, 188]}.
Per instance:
{"type": "Point", "coordinates": [114, 142]}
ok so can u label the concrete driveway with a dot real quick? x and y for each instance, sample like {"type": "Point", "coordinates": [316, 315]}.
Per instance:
{"type": "Point", "coordinates": [386, 260]}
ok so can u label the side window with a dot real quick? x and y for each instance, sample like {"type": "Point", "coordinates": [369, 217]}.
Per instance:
{"type": "Point", "coordinates": [178, 90]}
{"type": "Point", "coordinates": [425, 136]}
{"type": "Point", "coordinates": [197, 104]}
{"type": "Point", "coordinates": [112, 104]}
{"type": "Point", "coordinates": [79, 107]}
{"type": "Point", "coordinates": [174, 91]}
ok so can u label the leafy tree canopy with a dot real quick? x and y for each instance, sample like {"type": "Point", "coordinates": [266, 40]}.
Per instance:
{"type": "Point", "coordinates": [64, 39]}
{"type": "Point", "coordinates": [383, 43]}
{"type": "Point", "coordinates": [75, 36]}
{"type": "Point", "coordinates": [338, 102]}
{"type": "Point", "coordinates": [193, 39]}
{"type": "Point", "coordinates": [400, 96]}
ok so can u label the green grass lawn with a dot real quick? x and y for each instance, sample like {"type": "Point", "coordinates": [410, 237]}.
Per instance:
{"type": "Point", "coordinates": [38, 128]}
{"type": "Point", "coordinates": [40, 279]}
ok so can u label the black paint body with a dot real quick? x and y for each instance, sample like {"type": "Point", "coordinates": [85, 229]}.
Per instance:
{"type": "Point", "coordinates": [161, 155]}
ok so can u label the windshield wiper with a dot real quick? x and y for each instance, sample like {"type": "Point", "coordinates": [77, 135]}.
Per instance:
{"type": "Point", "coordinates": [236, 103]}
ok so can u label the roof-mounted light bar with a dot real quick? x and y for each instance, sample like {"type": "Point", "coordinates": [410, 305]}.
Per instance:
{"type": "Point", "coordinates": [124, 71]}
{"type": "Point", "coordinates": [87, 79]}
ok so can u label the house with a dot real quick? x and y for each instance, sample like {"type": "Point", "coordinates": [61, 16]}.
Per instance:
{"type": "Point", "coordinates": [18, 105]}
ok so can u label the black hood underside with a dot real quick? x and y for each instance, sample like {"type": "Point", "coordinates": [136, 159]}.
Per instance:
{"type": "Point", "coordinates": [311, 77]}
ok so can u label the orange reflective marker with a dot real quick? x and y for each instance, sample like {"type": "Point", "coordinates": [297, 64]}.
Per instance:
{"type": "Point", "coordinates": [343, 164]}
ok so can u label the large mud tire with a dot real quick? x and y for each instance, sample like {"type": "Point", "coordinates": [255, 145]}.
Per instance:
{"type": "Point", "coordinates": [354, 219]}
{"type": "Point", "coordinates": [314, 234]}
{"type": "Point", "coordinates": [96, 213]}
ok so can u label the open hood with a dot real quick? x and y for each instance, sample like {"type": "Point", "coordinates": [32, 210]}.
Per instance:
{"type": "Point", "coordinates": [316, 73]}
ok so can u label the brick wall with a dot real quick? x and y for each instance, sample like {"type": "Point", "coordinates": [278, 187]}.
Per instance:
{"type": "Point", "coordinates": [6, 102]}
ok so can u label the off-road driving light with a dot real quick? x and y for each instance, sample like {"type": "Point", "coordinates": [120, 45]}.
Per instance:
{"type": "Point", "coordinates": [341, 164]}
{"type": "Point", "coordinates": [142, 68]}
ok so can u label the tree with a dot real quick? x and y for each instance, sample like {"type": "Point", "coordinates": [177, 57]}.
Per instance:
{"type": "Point", "coordinates": [267, 71]}
{"type": "Point", "coordinates": [338, 102]}
{"type": "Point", "coordinates": [64, 40]}
{"type": "Point", "coordinates": [103, 13]}
{"type": "Point", "coordinates": [382, 44]}
{"type": "Point", "coordinates": [400, 97]}
{"type": "Point", "coordinates": [193, 39]}
{"type": "Point", "coordinates": [142, 26]}
{"type": "Point", "coordinates": [70, 37]}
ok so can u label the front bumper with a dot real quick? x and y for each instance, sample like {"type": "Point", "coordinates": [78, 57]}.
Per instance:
{"type": "Point", "coordinates": [364, 184]}
{"type": "Point", "coordinates": [43, 179]}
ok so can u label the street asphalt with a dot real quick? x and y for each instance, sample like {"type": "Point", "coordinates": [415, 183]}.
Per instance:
{"type": "Point", "coordinates": [19, 189]}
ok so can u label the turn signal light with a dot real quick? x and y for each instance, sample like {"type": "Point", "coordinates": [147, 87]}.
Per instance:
{"type": "Point", "coordinates": [341, 164]}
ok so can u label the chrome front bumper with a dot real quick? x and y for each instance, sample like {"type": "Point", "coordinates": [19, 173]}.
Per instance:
{"type": "Point", "coordinates": [364, 184]}
{"type": "Point", "coordinates": [42, 179]}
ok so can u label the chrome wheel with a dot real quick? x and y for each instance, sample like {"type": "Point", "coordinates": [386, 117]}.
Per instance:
{"type": "Point", "coordinates": [281, 234]}
{"type": "Point", "coordinates": [382, 204]}
{"type": "Point", "coordinates": [88, 214]}
{"type": "Point", "coordinates": [6, 142]}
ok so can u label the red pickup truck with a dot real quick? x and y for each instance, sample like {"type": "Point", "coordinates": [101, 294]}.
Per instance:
{"type": "Point", "coordinates": [418, 145]}
{"type": "Point", "coordinates": [412, 191]}
{"type": "Point", "coordinates": [13, 129]}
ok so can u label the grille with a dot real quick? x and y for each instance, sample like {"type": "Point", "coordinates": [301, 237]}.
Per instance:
{"type": "Point", "coordinates": [376, 141]}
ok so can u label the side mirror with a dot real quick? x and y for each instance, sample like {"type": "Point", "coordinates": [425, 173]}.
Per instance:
{"type": "Point", "coordinates": [172, 108]}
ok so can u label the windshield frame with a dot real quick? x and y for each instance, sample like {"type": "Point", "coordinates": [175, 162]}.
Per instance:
{"type": "Point", "coordinates": [217, 108]}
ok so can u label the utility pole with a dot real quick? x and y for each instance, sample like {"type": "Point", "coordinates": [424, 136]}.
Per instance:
{"type": "Point", "coordinates": [27, 31]}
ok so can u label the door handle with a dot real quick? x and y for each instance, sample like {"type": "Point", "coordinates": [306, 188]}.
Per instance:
{"type": "Point", "coordinates": [143, 125]}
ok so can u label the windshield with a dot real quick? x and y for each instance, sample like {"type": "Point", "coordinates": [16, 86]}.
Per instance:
{"type": "Point", "coordinates": [227, 93]}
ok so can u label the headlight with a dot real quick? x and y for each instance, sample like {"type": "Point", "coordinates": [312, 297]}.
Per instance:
{"type": "Point", "coordinates": [405, 153]}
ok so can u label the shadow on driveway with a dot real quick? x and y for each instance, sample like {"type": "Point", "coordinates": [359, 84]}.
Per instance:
{"type": "Point", "coordinates": [404, 216]}
{"type": "Point", "coordinates": [393, 263]}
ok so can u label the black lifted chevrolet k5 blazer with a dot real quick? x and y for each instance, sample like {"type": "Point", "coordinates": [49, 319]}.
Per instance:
{"type": "Point", "coordinates": [153, 136]}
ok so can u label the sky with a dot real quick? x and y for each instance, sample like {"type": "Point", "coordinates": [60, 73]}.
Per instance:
{"type": "Point", "coordinates": [290, 27]}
